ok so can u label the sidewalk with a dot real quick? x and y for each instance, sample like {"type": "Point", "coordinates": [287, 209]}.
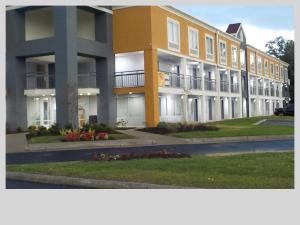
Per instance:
{"type": "Point", "coordinates": [141, 139]}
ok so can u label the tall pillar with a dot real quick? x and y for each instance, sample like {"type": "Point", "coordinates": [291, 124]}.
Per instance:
{"type": "Point", "coordinates": [66, 81]}
{"type": "Point", "coordinates": [151, 88]}
{"type": "Point", "coordinates": [185, 97]}
{"type": "Point", "coordinates": [218, 101]}
{"type": "Point", "coordinates": [106, 100]}
{"type": "Point", "coordinates": [16, 106]}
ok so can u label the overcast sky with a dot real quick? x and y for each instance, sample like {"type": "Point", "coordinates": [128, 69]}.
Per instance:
{"type": "Point", "coordinates": [260, 23]}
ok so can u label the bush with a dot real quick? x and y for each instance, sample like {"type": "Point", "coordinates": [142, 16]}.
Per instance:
{"type": "Point", "coordinates": [19, 130]}
{"type": "Point", "coordinates": [68, 126]}
{"type": "Point", "coordinates": [54, 129]}
{"type": "Point", "coordinates": [42, 131]}
{"type": "Point", "coordinates": [166, 128]}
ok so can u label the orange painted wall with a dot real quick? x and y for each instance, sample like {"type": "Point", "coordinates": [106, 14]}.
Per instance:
{"type": "Point", "coordinates": [131, 29]}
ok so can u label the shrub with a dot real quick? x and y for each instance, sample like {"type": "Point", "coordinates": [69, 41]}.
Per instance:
{"type": "Point", "coordinates": [72, 136]}
{"type": "Point", "coordinates": [54, 129]}
{"type": "Point", "coordinates": [42, 131]}
{"type": "Point", "coordinates": [68, 126]}
{"type": "Point", "coordinates": [19, 130]}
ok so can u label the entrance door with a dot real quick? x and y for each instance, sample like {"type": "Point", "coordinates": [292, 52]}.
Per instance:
{"type": "Point", "coordinates": [45, 113]}
{"type": "Point", "coordinates": [196, 110]}
{"type": "Point", "coordinates": [209, 109]}
{"type": "Point", "coordinates": [222, 109]}
{"type": "Point", "coordinates": [232, 108]}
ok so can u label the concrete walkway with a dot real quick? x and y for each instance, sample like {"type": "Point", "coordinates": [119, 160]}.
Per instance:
{"type": "Point", "coordinates": [16, 142]}
{"type": "Point", "coordinates": [17, 145]}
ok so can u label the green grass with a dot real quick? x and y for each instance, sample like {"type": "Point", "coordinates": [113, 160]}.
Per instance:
{"type": "Point", "coordinates": [53, 139]}
{"type": "Point", "coordinates": [241, 127]}
{"type": "Point", "coordinates": [257, 170]}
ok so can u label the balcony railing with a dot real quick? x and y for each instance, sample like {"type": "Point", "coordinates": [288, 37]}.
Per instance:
{"type": "Point", "coordinates": [260, 90]}
{"type": "Point", "coordinates": [235, 88]}
{"type": "Point", "coordinates": [129, 79]}
{"type": "Point", "coordinates": [169, 79]}
{"type": "Point", "coordinates": [193, 82]}
{"type": "Point", "coordinates": [210, 84]}
{"type": "Point", "coordinates": [40, 80]}
{"type": "Point", "coordinates": [252, 90]}
{"type": "Point", "coordinates": [87, 80]}
{"type": "Point", "coordinates": [224, 86]}
{"type": "Point", "coordinates": [267, 92]}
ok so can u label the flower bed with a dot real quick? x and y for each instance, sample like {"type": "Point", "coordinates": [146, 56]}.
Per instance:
{"type": "Point", "coordinates": [160, 154]}
{"type": "Point", "coordinates": [80, 135]}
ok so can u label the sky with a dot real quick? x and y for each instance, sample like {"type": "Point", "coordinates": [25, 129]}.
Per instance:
{"type": "Point", "coordinates": [261, 23]}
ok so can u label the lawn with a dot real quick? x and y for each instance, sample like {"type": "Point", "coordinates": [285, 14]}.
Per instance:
{"type": "Point", "coordinates": [241, 127]}
{"type": "Point", "coordinates": [256, 170]}
{"type": "Point", "coordinates": [58, 138]}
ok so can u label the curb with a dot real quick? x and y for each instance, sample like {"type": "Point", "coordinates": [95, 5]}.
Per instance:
{"type": "Point", "coordinates": [86, 183]}
{"type": "Point", "coordinates": [259, 122]}
{"type": "Point", "coordinates": [238, 139]}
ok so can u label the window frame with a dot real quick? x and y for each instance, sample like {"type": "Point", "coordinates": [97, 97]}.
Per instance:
{"type": "Point", "coordinates": [243, 56]}
{"type": "Point", "coordinates": [257, 64]}
{"type": "Point", "coordinates": [266, 72]}
{"type": "Point", "coordinates": [168, 37]}
{"type": "Point", "coordinates": [272, 69]}
{"type": "Point", "coordinates": [222, 60]}
{"type": "Point", "coordinates": [192, 29]}
{"type": "Point", "coordinates": [252, 68]}
{"type": "Point", "coordinates": [212, 48]}
{"type": "Point", "coordinates": [236, 63]}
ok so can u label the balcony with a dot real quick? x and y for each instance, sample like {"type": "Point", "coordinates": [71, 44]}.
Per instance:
{"type": "Point", "coordinates": [40, 80]}
{"type": "Point", "coordinates": [193, 82]}
{"type": "Point", "coordinates": [224, 86]}
{"type": "Point", "coordinates": [260, 90]}
{"type": "Point", "coordinates": [210, 84]}
{"type": "Point", "coordinates": [133, 78]}
{"type": "Point", "coordinates": [87, 80]}
{"type": "Point", "coordinates": [169, 79]}
{"type": "Point", "coordinates": [234, 88]}
{"type": "Point", "coordinates": [252, 90]}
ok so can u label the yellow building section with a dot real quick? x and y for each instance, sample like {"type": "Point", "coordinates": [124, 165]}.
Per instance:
{"type": "Point", "coordinates": [132, 29]}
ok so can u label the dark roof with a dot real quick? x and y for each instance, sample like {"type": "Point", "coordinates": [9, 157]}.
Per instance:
{"type": "Point", "coordinates": [233, 28]}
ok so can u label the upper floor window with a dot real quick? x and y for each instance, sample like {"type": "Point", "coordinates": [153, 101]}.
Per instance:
{"type": "Point", "coordinates": [277, 71]}
{"type": "Point", "coordinates": [281, 72]}
{"type": "Point", "coordinates": [243, 59]}
{"type": "Point", "coordinates": [266, 65]}
{"type": "Point", "coordinates": [223, 52]}
{"type": "Point", "coordinates": [234, 56]}
{"type": "Point", "coordinates": [173, 35]}
{"type": "Point", "coordinates": [285, 74]}
{"type": "Point", "coordinates": [259, 65]}
{"type": "Point", "coordinates": [193, 42]}
{"type": "Point", "coordinates": [252, 62]}
{"type": "Point", "coordinates": [272, 69]}
{"type": "Point", "coordinates": [209, 48]}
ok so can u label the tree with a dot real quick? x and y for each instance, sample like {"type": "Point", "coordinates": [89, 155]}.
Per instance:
{"type": "Point", "coordinates": [284, 50]}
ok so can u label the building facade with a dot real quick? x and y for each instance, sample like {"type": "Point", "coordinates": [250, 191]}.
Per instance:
{"type": "Point", "coordinates": [138, 64]}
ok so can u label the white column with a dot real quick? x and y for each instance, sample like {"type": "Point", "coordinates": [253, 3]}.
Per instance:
{"type": "Point", "coordinates": [203, 109]}
{"type": "Point", "coordinates": [185, 96]}
{"type": "Point", "coordinates": [217, 102]}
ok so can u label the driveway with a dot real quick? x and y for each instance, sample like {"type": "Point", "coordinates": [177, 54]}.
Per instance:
{"type": "Point", "coordinates": [84, 154]}
{"type": "Point", "coordinates": [279, 122]}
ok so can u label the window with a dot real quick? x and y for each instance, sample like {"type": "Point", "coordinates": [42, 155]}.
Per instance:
{"type": "Point", "coordinates": [266, 63]}
{"type": "Point", "coordinates": [259, 65]}
{"type": "Point", "coordinates": [234, 56]}
{"type": "Point", "coordinates": [272, 70]}
{"type": "Point", "coordinates": [285, 74]}
{"type": "Point", "coordinates": [193, 42]}
{"type": "Point", "coordinates": [209, 47]}
{"type": "Point", "coordinates": [281, 72]}
{"type": "Point", "coordinates": [242, 59]}
{"type": "Point", "coordinates": [223, 54]}
{"type": "Point", "coordinates": [252, 62]}
{"type": "Point", "coordinates": [277, 71]}
{"type": "Point", "coordinates": [173, 35]}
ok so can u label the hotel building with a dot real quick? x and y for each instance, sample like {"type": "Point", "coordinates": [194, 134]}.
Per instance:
{"type": "Point", "coordinates": [139, 64]}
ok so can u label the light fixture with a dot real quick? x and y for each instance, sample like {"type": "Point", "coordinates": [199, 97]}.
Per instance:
{"type": "Point", "coordinates": [190, 100]}
{"type": "Point", "coordinates": [80, 94]}
{"type": "Point", "coordinates": [214, 98]}
{"type": "Point", "coordinates": [52, 94]}
{"type": "Point", "coordinates": [44, 95]}
{"type": "Point", "coordinates": [254, 100]}
{"type": "Point", "coordinates": [198, 66]}
{"type": "Point", "coordinates": [181, 97]}
{"type": "Point", "coordinates": [130, 93]}
{"type": "Point", "coordinates": [36, 99]}
{"type": "Point", "coordinates": [88, 93]}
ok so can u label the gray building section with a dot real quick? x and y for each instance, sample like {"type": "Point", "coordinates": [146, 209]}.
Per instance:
{"type": "Point", "coordinates": [66, 46]}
